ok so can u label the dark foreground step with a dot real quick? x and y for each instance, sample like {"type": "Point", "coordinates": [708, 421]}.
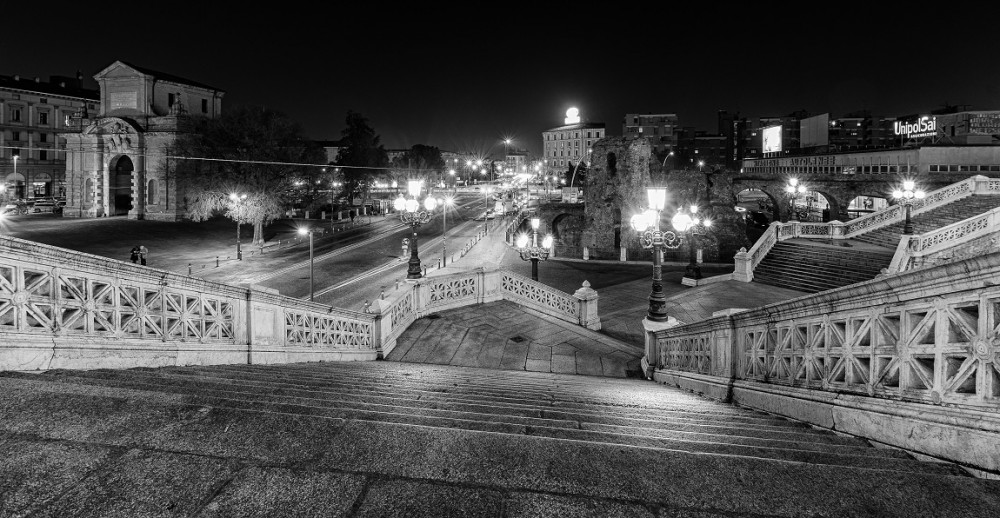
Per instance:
{"type": "Point", "coordinates": [71, 451]}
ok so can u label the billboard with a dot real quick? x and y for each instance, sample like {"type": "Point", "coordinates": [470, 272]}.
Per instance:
{"type": "Point", "coordinates": [772, 139]}
{"type": "Point", "coordinates": [814, 131]}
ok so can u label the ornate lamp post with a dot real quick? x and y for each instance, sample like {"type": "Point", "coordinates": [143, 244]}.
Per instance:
{"type": "Point", "coordinates": [534, 252]}
{"type": "Point", "coordinates": [647, 225]}
{"type": "Point", "coordinates": [304, 231]}
{"type": "Point", "coordinates": [411, 213]}
{"type": "Point", "coordinates": [906, 195]}
{"type": "Point", "coordinates": [690, 224]}
{"type": "Point", "coordinates": [792, 190]}
{"type": "Point", "coordinates": [237, 201]}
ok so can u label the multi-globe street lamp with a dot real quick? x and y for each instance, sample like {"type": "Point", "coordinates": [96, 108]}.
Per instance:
{"type": "Point", "coordinates": [647, 224]}
{"type": "Point", "coordinates": [534, 252]}
{"type": "Point", "coordinates": [237, 204]}
{"type": "Point", "coordinates": [691, 224]}
{"type": "Point", "coordinates": [413, 213]}
{"type": "Point", "coordinates": [303, 231]}
{"type": "Point", "coordinates": [906, 195]}
{"type": "Point", "coordinates": [792, 191]}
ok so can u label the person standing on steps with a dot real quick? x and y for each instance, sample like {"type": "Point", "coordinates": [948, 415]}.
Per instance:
{"type": "Point", "coordinates": [134, 254]}
{"type": "Point", "coordinates": [142, 254]}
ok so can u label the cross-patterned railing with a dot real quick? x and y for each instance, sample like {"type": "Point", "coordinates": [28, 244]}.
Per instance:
{"type": "Point", "coordinates": [56, 303]}
{"type": "Point", "coordinates": [929, 336]}
{"type": "Point", "coordinates": [951, 240]}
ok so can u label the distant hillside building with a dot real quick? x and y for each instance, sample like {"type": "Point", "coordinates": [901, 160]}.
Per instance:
{"type": "Point", "coordinates": [661, 130]}
{"type": "Point", "coordinates": [33, 113]}
{"type": "Point", "coordinates": [117, 162]}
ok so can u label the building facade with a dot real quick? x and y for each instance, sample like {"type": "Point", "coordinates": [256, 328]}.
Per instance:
{"type": "Point", "coordinates": [33, 115]}
{"type": "Point", "coordinates": [661, 130]}
{"type": "Point", "coordinates": [119, 163]}
{"type": "Point", "coordinates": [564, 147]}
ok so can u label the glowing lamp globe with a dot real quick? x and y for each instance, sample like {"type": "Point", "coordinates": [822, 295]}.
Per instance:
{"type": "Point", "coordinates": [430, 203]}
{"type": "Point", "coordinates": [522, 241]}
{"type": "Point", "coordinates": [547, 242]}
{"type": "Point", "coordinates": [412, 205]}
{"type": "Point", "coordinates": [399, 203]}
{"type": "Point", "coordinates": [681, 222]}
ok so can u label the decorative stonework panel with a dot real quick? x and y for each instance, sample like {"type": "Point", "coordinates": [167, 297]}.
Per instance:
{"type": "Point", "coordinates": [402, 312]}
{"type": "Point", "coordinates": [312, 329]}
{"type": "Point", "coordinates": [540, 294]}
{"type": "Point", "coordinates": [453, 290]}
{"type": "Point", "coordinates": [34, 299]}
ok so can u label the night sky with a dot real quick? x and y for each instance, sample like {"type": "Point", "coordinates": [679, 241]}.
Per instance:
{"type": "Point", "coordinates": [464, 78]}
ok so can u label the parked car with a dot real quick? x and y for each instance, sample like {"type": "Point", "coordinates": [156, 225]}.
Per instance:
{"type": "Point", "coordinates": [43, 206]}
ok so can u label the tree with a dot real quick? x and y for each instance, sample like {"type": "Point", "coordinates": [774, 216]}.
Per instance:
{"type": "Point", "coordinates": [576, 174]}
{"type": "Point", "coordinates": [250, 151]}
{"type": "Point", "coordinates": [361, 156]}
{"type": "Point", "coordinates": [421, 161]}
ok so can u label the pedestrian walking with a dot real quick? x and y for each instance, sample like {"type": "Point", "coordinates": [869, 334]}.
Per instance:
{"type": "Point", "coordinates": [134, 254]}
{"type": "Point", "coordinates": [142, 254]}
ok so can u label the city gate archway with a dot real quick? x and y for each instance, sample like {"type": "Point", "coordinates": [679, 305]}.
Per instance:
{"type": "Point", "coordinates": [120, 198]}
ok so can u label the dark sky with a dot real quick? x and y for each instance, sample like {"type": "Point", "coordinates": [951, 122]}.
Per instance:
{"type": "Point", "coordinates": [465, 77]}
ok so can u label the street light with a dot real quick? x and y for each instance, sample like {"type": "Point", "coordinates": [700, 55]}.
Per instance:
{"type": "Point", "coordinates": [906, 196]}
{"type": "Point", "coordinates": [303, 231]}
{"type": "Point", "coordinates": [690, 224]}
{"type": "Point", "coordinates": [15, 157]}
{"type": "Point", "coordinates": [792, 190]}
{"type": "Point", "coordinates": [445, 203]}
{"type": "Point", "coordinates": [410, 213]}
{"type": "Point", "coordinates": [237, 201]}
{"type": "Point", "coordinates": [534, 252]}
{"type": "Point", "coordinates": [486, 202]}
{"type": "Point", "coordinates": [647, 224]}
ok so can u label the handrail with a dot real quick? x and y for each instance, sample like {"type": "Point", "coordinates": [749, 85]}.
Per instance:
{"type": "Point", "coordinates": [949, 237]}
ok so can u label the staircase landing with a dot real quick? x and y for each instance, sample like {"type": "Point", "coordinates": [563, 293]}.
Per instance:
{"type": "Point", "coordinates": [507, 335]}
{"type": "Point", "coordinates": [395, 439]}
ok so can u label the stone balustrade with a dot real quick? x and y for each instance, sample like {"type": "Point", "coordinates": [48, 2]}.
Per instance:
{"type": "Point", "coordinates": [421, 297]}
{"type": "Point", "coordinates": [66, 309]}
{"type": "Point", "coordinates": [967, 238]}
{"type": "Point", "coordinates": [911, 360]}
{"type": "Point", "coordinates": [746, 263]}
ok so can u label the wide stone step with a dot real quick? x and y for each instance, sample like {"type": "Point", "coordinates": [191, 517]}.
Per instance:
{"type": "Point", "coordinates": [779, 447]}
{"type": "Point", "coordinates": [518, 416]}
{"type": "Point", "coordinates": [781, 263]}
{"type": "Point", "coordinates": [406, 461]}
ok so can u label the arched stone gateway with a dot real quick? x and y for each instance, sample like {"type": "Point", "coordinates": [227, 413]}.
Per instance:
{"type": "Point", "coordinates": [119, 163]}
{"type": "Point", "coordinates": [120, 186]}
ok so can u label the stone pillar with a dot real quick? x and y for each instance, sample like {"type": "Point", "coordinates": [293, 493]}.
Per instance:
{"type": "Point", "coordinates": [651, 358]}
{"type": "Point", "coordinates": [742, 271]}
{"type": "Point", "coordinates": [383, 340]}
{"type": "Point", "coordinates": [587, 300]}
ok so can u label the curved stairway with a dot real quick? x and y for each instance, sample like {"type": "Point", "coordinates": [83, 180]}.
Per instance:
{"type": "Point", "coordinates": [933, 219]}
{"type": "Point", "coordinates": [397, 439]}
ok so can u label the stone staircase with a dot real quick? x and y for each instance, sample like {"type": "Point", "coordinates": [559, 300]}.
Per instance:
{"type": "Point", "coordinates": [933, 219]}
{"type": "Point", "coordinates": [398, 439]}
{"type": "Point", "coordinates": [812, 266]}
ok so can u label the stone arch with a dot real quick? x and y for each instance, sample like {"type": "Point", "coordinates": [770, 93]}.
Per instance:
{"type": "Point", "coordinates": [121, 172]}
{"type": "Point", "coordinates": [566, 228]}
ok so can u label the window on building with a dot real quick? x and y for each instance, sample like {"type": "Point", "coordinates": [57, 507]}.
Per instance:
{"type": "Point", "coordinates": [15, 136]}
{"type": "Point", "coordinates": [43, 117]}
{"type": "Point", "coordinates": [43, 100]}
{"type": "Point", "coordinates": [43, 137]}
{"type": "Point", "coordinates": [171, 99]}
{"type": "Point", "coordinates": [953, 168]}
{"type": "Point", "coordinates": [43, 154]}
{"type": "Point", "coordinates": [151, 192]}
{"type": "Point", "coordinates": [15, 151]}
{"type": "Point", "coordinates": [15, 114]}
{"type": "Point", "coordinates": [204, 106]}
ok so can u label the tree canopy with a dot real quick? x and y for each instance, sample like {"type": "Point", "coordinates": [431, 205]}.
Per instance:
{"type": "Point", "coordinates": [251, 151]}
{"type": "Point", "coordinates": [361, 155]}
{"type": "Point", "coordinates": [423, 162]}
